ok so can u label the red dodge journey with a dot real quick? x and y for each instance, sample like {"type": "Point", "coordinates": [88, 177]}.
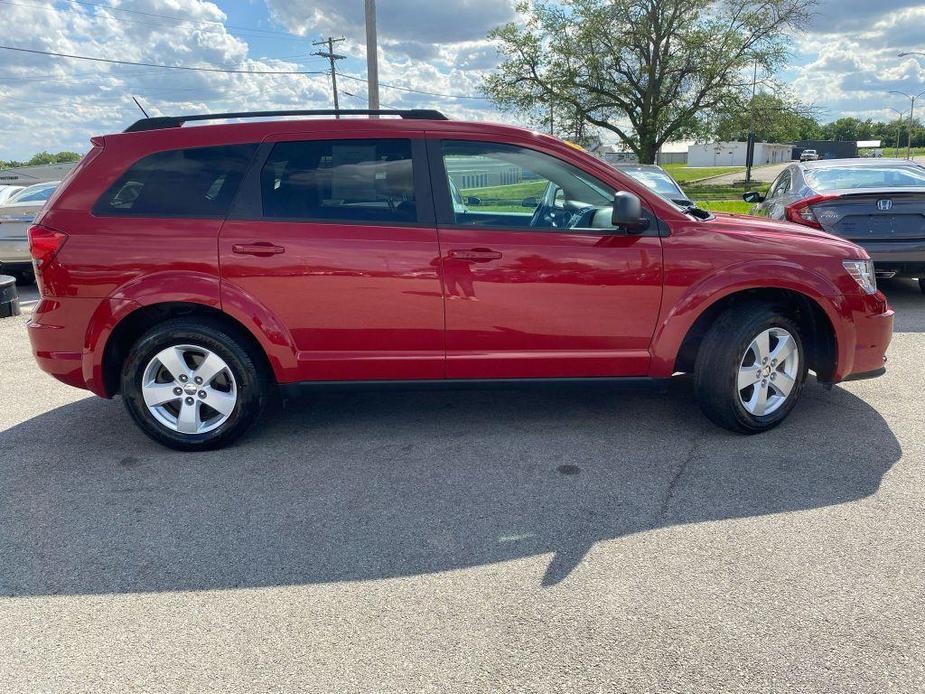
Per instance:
{"type": "Point", "coordinates": [193, 269]}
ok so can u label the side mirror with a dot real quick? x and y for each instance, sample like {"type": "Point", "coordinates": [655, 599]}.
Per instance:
{"type": "Point", "coordinates": [530, 202]}
{"type": "Point", "coordinates": [627, 213]}
{"type": "Point", "coordinates": [472, 200]}
{"type": "Point", "coordinates": [753, 196]}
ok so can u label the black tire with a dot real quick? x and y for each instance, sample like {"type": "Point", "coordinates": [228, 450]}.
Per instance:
{"type": "Point", "coordinates": [248, 368]}
{"type": "Point", "coordinates": [720, 356]}
{"type": "Point", "coordinates": [922, 284]}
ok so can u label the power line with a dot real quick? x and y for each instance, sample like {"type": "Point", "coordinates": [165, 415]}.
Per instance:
{"type": "Point", "coordinates": [163, 67]}
{"type": "Point", "coordinates": [413, 91]}
{"type": "Point", "coordinates": [246, 72]}
{"type": "Point", "coordinates": [332, 57]}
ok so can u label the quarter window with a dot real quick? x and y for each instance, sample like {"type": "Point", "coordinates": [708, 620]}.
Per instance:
{"type": "Point", "coordinates": [197, 182]}
{"type": "Point", "coordinates": [340, 180]}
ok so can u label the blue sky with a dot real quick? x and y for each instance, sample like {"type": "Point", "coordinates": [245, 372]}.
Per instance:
{"type": "Point", "coordinates": [843, 63]}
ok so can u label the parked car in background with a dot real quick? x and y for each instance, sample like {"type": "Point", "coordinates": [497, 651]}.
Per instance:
{"type": "Point", "coordinates": [877, 203]}
{"type": "Point", "coordinates": [193, 269]}
{"type": "Point", "coordinates": [16, 215]}
{"type": "Point", "coordinates": [809, 155]}
{"type": "Point", "coordinates": [656, 178]}
{"type": "Point", "coordinates": [6, 192]}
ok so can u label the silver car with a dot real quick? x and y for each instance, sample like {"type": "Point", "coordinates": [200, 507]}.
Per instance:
{"type": "Point", "coordinates": [876, 203]}
{"type": "Point", "coordinates": [656, 178]}
{"type": "Point", "coordinates": [16, 215]}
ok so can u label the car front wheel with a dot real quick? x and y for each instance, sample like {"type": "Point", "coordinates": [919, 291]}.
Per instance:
{"type": "Point", "coordinates": [750, 368]}
{"type": "Point", "coordinates": [193, 385]}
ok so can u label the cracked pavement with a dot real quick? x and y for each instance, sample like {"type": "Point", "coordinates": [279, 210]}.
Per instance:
{"type": "Point", "coordinates": [429, 542]}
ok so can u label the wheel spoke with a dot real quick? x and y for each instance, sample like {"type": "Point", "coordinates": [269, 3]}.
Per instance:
{"type": "Point", "coordinates": [158, 393]}
{"type": "Point", "coordinates": [759, 400]}
{"type": "Point", "coordinates": [220, 401]}
{"type": "Point", "coordinates": [762, 345]}
{"type": "Point", "coordinates": [209, 368]}
{"type": "Point", "coordinates": [748, 375]}
{"type": "Point", "coordinates": [172, 360]}
{"type": "Point", "coordinates": [783, 383]}
{"type": "Point", "coordinates": [188, 421]}
{"type": "Point", "coordinates": [784, 348]}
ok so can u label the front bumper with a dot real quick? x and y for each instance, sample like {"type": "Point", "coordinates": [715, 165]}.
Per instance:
{"type": "Point", "coordinates": [872, 320]}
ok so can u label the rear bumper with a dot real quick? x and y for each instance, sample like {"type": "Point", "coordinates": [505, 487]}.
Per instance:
{"type": "Point", "coordinates": [15, 251]}
{"type": "Point", "coordinates": [68, 335]}
{"type": "Point", "coordinates": [904, 258]}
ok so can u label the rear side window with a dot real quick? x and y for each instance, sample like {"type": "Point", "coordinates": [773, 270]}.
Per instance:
{"type": "Point", "coordinates": [198, 182]}
{"type": "Point", "coordinates": [340, 180]}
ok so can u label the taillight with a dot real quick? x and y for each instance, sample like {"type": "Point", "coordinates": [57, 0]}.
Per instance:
{"type": "Point", "coordinates": [44, 244]}
{"type": "Point", "coordinates": [801, 212]}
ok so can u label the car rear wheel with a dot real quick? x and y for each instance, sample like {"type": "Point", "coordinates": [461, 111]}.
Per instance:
{"type": "Point", "coordinates": [750, 368]}
{"type": "Point", "coordinates": [193, 385]}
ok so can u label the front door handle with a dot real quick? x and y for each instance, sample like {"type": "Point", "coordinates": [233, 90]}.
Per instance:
{"type": "Point", "coordinates": [258, 248]}
{"type": "Point", "coordinates": [476, 255]}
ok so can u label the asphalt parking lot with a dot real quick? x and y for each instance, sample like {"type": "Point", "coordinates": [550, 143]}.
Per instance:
{"type": "Point", "coordinates": [434, 542]}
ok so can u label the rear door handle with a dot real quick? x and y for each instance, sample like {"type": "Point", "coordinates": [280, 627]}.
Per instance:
{"type": "Point", "coordinates": [476, 255]}
{"type": "Point", "coordinates": [258, 248]}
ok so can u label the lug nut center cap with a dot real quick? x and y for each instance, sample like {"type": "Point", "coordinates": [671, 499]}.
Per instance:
{"type": "Point", "coordinates": [190, 389]}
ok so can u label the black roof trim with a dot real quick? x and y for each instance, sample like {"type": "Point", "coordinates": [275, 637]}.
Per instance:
{"type": "Point", "coordinates": [161, 122]}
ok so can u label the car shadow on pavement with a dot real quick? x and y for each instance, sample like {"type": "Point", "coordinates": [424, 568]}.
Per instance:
{"type": "Point", "coordinates": [344, 487]}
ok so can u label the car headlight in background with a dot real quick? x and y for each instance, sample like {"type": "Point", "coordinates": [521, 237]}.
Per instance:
{"type": "Point", "coordinates": [863, 273]}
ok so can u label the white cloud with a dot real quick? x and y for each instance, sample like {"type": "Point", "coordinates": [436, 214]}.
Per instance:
{"type": "Point", "coordinates": [851, 66]}
{"type": "Point", "coordinates": [53, 103]}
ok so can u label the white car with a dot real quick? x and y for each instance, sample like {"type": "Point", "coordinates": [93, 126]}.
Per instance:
{"type": "Point", "coordinates": [6, 192]}
{"type": "Point", "coordinates": [16, 215]}
{"type": "Point", "coordinates": [809, 155]}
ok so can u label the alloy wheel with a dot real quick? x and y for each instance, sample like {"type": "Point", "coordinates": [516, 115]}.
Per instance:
{"type": "Point", "coordinates": [768, 371]}
{"type": "Point", "coordinates": [189, 389]}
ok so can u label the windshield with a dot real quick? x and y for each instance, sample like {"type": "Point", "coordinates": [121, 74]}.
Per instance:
{"type": "Point", "coordinates": [658, 181]}
{"type": "Point", "coordinates": [842, 177]}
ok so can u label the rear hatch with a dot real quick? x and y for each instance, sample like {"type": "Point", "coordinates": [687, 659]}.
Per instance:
{"type": "Point", "coordinates": [874, 215]}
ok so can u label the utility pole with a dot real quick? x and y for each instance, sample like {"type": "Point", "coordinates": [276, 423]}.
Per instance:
{"type": "Point", "coordinates": [372, 56]}
{"type": "Point", "coordinates": [750, 145]}
{"type": "Point", "coordinates": [331, 56]}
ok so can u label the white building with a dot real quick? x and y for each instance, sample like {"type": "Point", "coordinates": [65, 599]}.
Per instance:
{"type": "Point", "coordinates": [734, 153]}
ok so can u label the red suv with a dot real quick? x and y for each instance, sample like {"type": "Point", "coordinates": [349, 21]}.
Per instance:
{"type": "Point", "coordinates": [191, 269]}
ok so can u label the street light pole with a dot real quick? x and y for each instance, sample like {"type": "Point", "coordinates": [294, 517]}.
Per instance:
{"type": "Point", "coordinates": [911, 114]}
{"type": "Point", "coordinates": [899, 127]}
{"type": "Point", "coordinates": [750, 145]}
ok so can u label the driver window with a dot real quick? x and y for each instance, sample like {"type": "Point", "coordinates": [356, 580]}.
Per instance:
{"type": "Point", "coordinates": [500, 185]}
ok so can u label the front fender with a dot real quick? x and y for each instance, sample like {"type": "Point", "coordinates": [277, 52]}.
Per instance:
{"type": "Point", "coordinates": [679, 315]}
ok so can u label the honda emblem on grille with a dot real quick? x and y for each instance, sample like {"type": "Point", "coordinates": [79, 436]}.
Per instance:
{"type": "Point", "coordinates": [884, 205]}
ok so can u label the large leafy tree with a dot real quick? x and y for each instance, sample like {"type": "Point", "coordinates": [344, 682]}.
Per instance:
{"type": "Point", "coordinates": [647, 70]}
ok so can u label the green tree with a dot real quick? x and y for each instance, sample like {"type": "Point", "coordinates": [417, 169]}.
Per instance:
{"type": "Point", "coordinates": [644, 69]}
{"type": "Point", "coordinates": [42, 158]}
{"type": "Point", "coordinates": [774, 119]}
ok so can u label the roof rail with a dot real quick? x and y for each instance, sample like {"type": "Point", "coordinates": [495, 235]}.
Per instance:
{"type": "Point", "coordinates": [161, 122]}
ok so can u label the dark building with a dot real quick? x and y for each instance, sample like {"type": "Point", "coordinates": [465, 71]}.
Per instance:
{"type": "Point", "coordinates": [827, 149]}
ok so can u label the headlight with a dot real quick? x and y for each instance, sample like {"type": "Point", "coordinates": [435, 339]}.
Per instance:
{"type": "Point", "coordinates": [863, 273]}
